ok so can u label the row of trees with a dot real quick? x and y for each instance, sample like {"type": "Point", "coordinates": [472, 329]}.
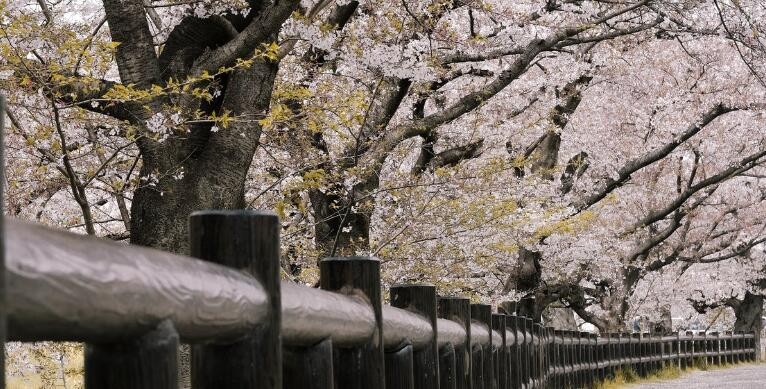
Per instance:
{"type": "Point", "coordinates": [604, 156]}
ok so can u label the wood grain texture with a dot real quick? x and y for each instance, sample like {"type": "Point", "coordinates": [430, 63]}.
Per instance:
{"type": "Point", "coordinates": [402, 326]}
{"type": "Point", "coordinates": [399, 369]}
{"type": "Point", "coordinates": [249, 240]}
{"type": "Point", "coordinates": [148, 362]}
{"type": "Point", "coordinates": [362, 366]}
{"type": "Point", "coordinates": [63, 286]}
{"type": "Point", "coordinates": [447, 373]}
{"type": "Point", "coordinates": [501, 355]}
{"type": "Point", "coordinates": [482, 314]}
{"type": "Point", "coordinates": [458, 310]}
{"type": "Point", "coordinates": [311, 315]}
{"type": "Point", "coordinates": [421, 299]}
{"type": "Point", "coordinates": [308, 367]}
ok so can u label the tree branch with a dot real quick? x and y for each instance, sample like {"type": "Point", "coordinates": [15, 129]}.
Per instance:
{"type": "Point", "coordinates": [377, 154]}
{"type": "Point", "coordinates": [261, 28]}
{"type": "Point", "coordinates": [741, 166]}
{"type": "Point", "coordinates": [634, 165]}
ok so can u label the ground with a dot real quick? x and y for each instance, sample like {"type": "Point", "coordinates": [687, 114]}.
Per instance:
{"type": "Point", "coordinates": [741, 377]}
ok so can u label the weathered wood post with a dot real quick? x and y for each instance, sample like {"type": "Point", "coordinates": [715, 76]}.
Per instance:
{"type": "Point", "coordinates": [308, 367]}
{"type": "Point", "coordinates": [539, 353]}
{"type": "Point", "coordinates": [510, 348]}
{"type": "Point", "coordinates": [2, 243]}
{"type": "Point", "coordinates": [447, 370]}
{"type": "Point", "coordinates": [248, 240]}
{"type": "Point", "coordinates": [565, 368]}
{"type": "Point", "coordinates": [680, 350]}
{"type": "Point", "coordinates": [524, 355]}
{"type": "Point", "coordinates": [501, 356]}
{"type": "Point", "coordinates": [458, 309]}
{"type": "Point", "coordinates": [399, 368]}
{"type": "Point", "coordinates": [640, 353]}
{"type": "Point", "coordinates": [150, 361]}
{"type": "Point", "coordinates": [514, 348]}
{"type": "Point", "coordinates": [550, 357]}
{"type": "Point", "coordinates": [657, 352]}
{"type": "Point", "coordinates": [716, 347]}
{"type": "Point", "coordinates": [560, 359]}
{"type": "Point", "coordinates": [571, 358]}
{"type": "Point", "coordinates": [358, 367]}
{"type": "Point", "coordinates": [592, 359]}
{"type": "Point", "coordinates": [583, 357]}
{"type": "Point", "coordinates": [482, 314]}
{"type": "Point", "coordinates": [691, 348]}
{"type": "Point", "coordinates": [421, 299]}
{"type": "Point", "coordinates": [729, 343]}
{"type": "Point", "coordinates": [740, 344]}
{"type": "Point", "coordinates": [515, 356]}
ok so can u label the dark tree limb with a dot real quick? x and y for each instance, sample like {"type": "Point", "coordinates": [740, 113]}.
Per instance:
{"type": "Point", "coordinates": [743, 165]}
{"type": "Point", "coordinates": [455, 155]}
{"type": "Point", "coordinates": [575, 168]}
{"type": "Point", "coordinates": [260, 29]}
{"type": "Point", "coordinates": [135, 55]}
{"type": "Point", "coordinates": [636, 164]}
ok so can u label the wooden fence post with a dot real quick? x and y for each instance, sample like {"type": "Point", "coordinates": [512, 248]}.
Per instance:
{"type": "Point", "coordinates": [249, 240]}
{"type": "Point", "coordinates": [715, 348]}
{"type": "Point", "coordinates": [515, 357]}
{"type": "Point", "coordinates": [359, 367]}
{"type": "Point", "coordinates": [421, 299]}
{"type": "Point", "coordinates": [482, 314]}
{"type": "Point", "coordinates": [537, 330]}
{"type": "Point", "coordinates": [399, 371]}
{"type": "Point", "coordinates": [458, 309]}
{"type": "Point", "coordinates": [447, 368]}
{"type": "Point", "coordinates": [561, 379]}
{"type": "Point", "coordinates": [2, 243]}
{"type": "Point", "coordinates": [501, 356]}
{"type": "Point", "coordinates": [308, 367]}
{"type": "Point", "coordinates": [150, 361]}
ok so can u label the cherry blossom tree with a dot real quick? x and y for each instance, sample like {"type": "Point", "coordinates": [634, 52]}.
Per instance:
{"type": "Point", "coordinates": [597, 154]}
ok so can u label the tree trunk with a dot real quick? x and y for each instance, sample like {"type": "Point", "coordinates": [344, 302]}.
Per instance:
{"type": "Point", "coordinates": [342, 223]}
{"type": "Point", "coordinates": [214, 169]}
{"type": "Point", "coordinates": [560, 318]}
{"type": "Point", "coordinates": [748, 315]}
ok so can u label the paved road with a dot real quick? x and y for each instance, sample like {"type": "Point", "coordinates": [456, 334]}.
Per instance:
{"type": "Point", "coordinates": [743, 377]}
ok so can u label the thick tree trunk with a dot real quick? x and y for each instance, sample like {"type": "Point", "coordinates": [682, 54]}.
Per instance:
{"type": "Point", "coordinates": [749, 315]}
{"type": "Point", "coordinates": [214, 169]}
{"type": "Point", "coordinates": [560, 318]}
{"type": "Point", "coordinates": [342, 223]}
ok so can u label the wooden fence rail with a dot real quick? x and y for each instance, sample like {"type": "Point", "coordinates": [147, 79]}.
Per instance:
{"type": "Point", "coordinates": [133, 305]}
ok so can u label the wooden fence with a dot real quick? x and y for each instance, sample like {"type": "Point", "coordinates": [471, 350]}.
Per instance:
{"type": "Point", "coordinates": [133, 305]}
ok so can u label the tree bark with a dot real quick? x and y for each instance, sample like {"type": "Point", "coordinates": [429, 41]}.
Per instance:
{"type": "Point", "coordinates": [214, 171]}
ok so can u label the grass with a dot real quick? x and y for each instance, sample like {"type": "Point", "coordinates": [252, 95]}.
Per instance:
{"type": "Point", "coordinates": [625, 377]}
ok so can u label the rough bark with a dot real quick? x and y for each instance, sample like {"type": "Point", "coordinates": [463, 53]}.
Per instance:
{"type": "Point", "coordinates": [214, 172]}
{"type": "Point", "coordinates": [748, 313]}
{"type": "Point", "coordinates": [342, 220]}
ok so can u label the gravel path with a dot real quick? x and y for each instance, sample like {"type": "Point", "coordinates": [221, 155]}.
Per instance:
{"type": "Point", "coordinates": [742, 377]}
